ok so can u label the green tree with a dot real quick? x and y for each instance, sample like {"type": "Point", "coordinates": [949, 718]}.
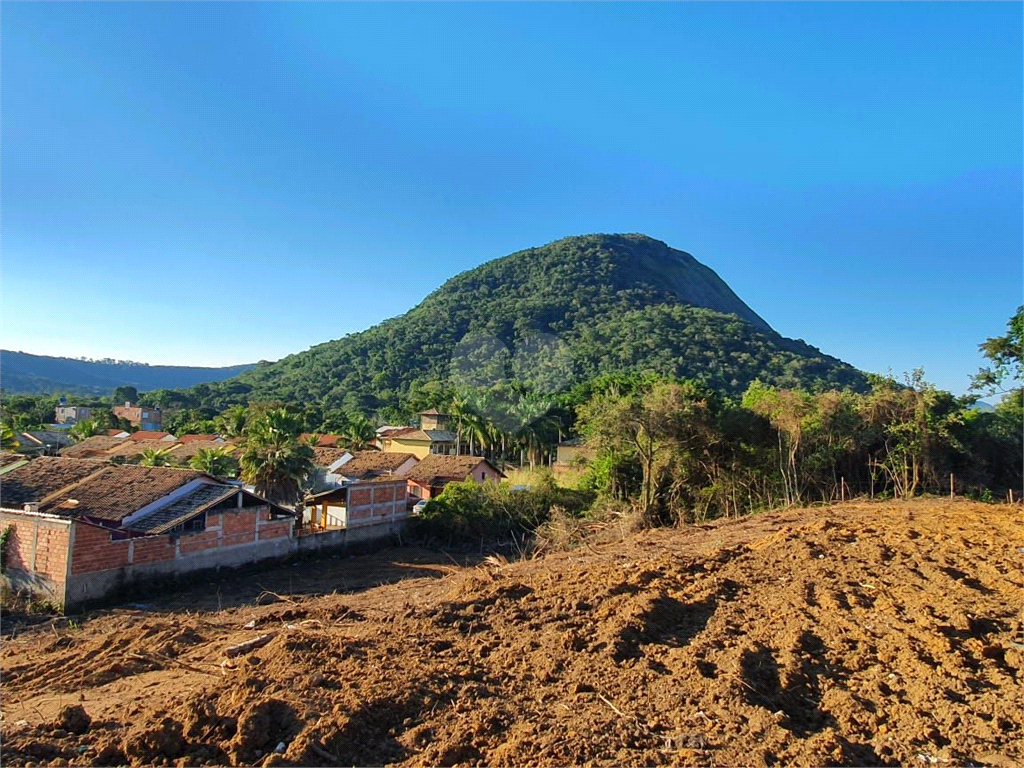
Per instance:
{"type": "Point", "coordinates": [8, 438]}
{"type": "Point", "coordinates": [217, 461]}
{"type": "Point", "coordinates": [231, 423]}
{"type": "Point", "coordinates": [155, 457]}
{"type": "Point", "coordinates": [125, 394]}
{"type": "Point", "coordinates": [787, 410]}
{"type": "Point", "coordinates": [359, 432]}
{"type": "Point", "coordinates": [273, 460]}
{"type": "Point", "coordinates": [85, 428]}
{"type": "Point", "coordinates": [1004, 353]}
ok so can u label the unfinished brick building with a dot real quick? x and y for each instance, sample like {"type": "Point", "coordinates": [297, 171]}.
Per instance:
{"type": "Point", "coordinates": [82, 529]}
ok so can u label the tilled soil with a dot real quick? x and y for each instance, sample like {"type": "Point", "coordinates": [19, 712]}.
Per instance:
{"type": "Point", "coordinates": [859, 634]}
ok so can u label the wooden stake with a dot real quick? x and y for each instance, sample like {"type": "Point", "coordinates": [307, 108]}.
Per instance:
{"type": "Point", "coordinates": [951, 485]}
{"type": "Point", "coordinates": [251, 645]}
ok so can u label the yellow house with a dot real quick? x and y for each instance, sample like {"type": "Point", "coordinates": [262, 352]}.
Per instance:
{"type": "Point", "coordinates": [419, 442]}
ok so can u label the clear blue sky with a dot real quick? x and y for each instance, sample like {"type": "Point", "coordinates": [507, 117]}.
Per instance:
{"type": "Point", "coordinates": [213, 184]}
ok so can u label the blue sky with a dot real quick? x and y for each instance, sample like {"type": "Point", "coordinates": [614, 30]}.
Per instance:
{"type": "Point", "coordinates": [211, 184]}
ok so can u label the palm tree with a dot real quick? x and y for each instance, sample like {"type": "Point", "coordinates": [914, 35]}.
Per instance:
{"type": "Point", "coordinates": [274, 462]}
{"type": "Point", "coordinates": [215, 461]}
{"type": "Point", "coordinates": [8, 438]}
{"type": "Point", "coordinates": [155, 457]}
{"type": "Point", "coordinates": [231, 423]}
{"type": "Point", "coordinates": [84, 429]}
{"type": "Point", "coordinates": [359, 433]}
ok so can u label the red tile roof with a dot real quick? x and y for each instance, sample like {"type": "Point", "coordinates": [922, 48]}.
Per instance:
{"type": "Point", "coordinates": [117, 491]}
{"type": "Point", "coordinates": [144, 435]}
{"type": "Point", "coordinates": [324, 457]}
{"type": "Point", "coordinates": [197, 438]}
{"type": "Point", "coordinates": [366, 464]}
{"type": "Point", "coordinates": [435, 469]}
{"type": "Point", "coordinates": [43, 477]}
{"type": "Point", "coordinates": [97, 445]}
{"type": "Point", "coordinates": [325, 441]}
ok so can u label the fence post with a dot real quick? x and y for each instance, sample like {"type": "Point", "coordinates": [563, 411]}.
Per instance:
{"type": "Point", "coordinates": [951, 485]}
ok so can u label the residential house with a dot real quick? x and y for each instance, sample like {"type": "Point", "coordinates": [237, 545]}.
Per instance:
{"type": "Point", "coordinates": [419, 442]}
{"type": "Point", "coordinates": [72, 414]}
{"type": "Point", "coordinates": [94, 447]}
{"type": "Point", "coordinates": [82, 529]}
{"type": "Point", "coordinates": [429, 477]}
{"type": "Point", "coordinates": [359, 489]}
{"type": "Point", "coordinates": [143, 417]}
{"type": "Point", "coordinates": [434, 419]}
{"type": "Point", "coordinates": [47, 442]}
{"type": "Point", "coordinates": [152, 434]}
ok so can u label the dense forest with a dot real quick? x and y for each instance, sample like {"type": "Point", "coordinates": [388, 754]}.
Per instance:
{"type": "Point", "coordinates": [546, 318]}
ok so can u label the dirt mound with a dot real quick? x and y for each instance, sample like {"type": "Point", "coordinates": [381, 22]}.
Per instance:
{"type": "Point", "coordinates": [861, 634]}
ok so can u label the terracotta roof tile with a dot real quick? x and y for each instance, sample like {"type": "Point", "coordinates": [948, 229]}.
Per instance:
{"type": "Point", "coordinates": [324, 457]}
{"type": "Point", "coordinates": [148, 435]}
{"type": "Point", "coordinates": [10, 457]}
{"type": "Point", "coordinates": [129, 448]}
{"type": "Point", "coordinates": [96, 445]}
{"type": "Point", "coordinates": [365, 464]}
{"type": "Point", "coordinates": [43, 477]}
{"type": "Point", "coordinates": [198, 438]}
{"type": "Point", "coordinates": [438, 469]}
{"type": "Point", "coordinates": [117, 491]}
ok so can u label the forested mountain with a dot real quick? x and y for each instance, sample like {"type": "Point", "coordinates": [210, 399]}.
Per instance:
{"type": "Point", "coordinates": [22, 373]}
{"type": "Point", "coordinates": [602, 304]}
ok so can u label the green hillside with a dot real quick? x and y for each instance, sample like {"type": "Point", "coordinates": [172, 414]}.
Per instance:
{"type": "Point", "coordinates": [605, 303]}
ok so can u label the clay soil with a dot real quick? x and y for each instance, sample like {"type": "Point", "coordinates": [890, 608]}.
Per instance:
{"type": "Point", "coordinates": [859, 634]}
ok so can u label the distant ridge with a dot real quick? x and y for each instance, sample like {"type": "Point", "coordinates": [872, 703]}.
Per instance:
{"type": "Point", "coordinates": [614, 302]}
{"type": "Point", "coordinates": [23, 373]}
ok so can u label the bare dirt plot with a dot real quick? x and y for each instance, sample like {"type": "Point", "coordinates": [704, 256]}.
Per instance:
{"type": "Point", "coordinates": [857, 634]}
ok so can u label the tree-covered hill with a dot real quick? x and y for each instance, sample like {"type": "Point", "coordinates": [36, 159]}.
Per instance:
{"type": "Point", "coordinates": [22, 373]}
{"type": "Point", "coordinates": [600, 303]}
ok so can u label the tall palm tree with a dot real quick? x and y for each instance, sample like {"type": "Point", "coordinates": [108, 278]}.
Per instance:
{"type": "Point", "coordinates": [273, 461]}
{"type": "Point", "coordinates": [155, 457]}
{"type": "Point", "coordinates": [215, 461]}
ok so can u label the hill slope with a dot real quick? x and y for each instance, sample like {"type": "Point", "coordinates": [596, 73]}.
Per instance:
{"type": "Point", "coordinates": [613, 302]}
{"type": "Point", "coordinates": [22, 373]}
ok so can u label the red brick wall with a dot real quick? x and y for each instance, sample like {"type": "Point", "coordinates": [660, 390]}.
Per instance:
{"type": "Point", "coordinates": [51, 546]}
{"type": "Point", "coordinates": [357, 497]}
{"type": "Point", "coordinates": [152, 549]}
{"type": "Point", "coordinates": [94, 551]}
{"type": "Point", "coordinates": [275, 530]}
{"type": "Point", "coordinates": [198, 541]}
